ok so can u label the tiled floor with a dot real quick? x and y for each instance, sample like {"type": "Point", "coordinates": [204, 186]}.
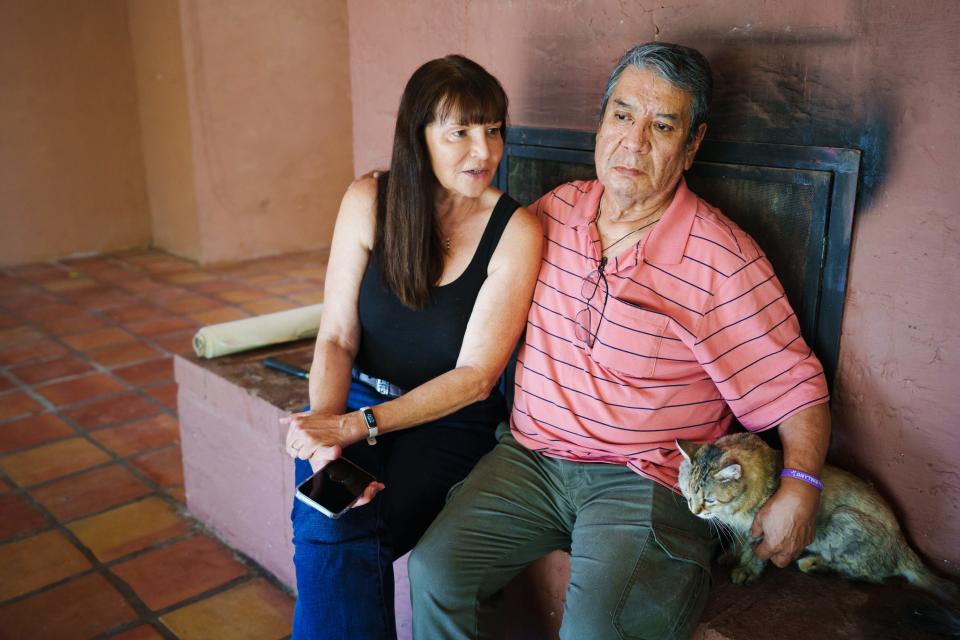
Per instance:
{"type": "Point", "coordinates": [94, 541]}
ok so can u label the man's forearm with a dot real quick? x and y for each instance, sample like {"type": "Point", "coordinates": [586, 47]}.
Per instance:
{"type": "Point", "coordinates": [806, 438]}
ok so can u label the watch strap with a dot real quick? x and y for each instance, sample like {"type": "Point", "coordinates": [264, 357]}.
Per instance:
{"type": "Point", "coordinates": [370, 421]}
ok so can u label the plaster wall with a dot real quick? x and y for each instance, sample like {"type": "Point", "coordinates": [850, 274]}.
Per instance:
{"type": "Point", "coordinates": [267, 88]}
{"type": "Point", "coordinates": [880, 77]}
{"type": "Point", "coordinates": [165, 125]}
{"type": "Point", "coordinates": [71, 168]}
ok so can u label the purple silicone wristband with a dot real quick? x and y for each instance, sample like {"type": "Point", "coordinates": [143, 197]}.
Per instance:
{"type": "Point", "coordinates": [796, 474]}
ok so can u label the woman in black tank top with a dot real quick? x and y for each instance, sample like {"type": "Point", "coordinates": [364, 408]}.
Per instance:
{"type": "Point", "coordinates": [430, 277]}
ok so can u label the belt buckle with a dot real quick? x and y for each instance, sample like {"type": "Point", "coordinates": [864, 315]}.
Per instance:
{"type": "Point", "coordinates": [383, 387]}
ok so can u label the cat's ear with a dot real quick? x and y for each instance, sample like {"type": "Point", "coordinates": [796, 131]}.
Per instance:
{"type": "Point", "coordinates": [728, 473]}
{"type": "Point", "coordinates": [688, 449]}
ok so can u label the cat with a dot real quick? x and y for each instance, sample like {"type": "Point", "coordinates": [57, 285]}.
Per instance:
{"type": "Point", "coordinates": [857, 533]}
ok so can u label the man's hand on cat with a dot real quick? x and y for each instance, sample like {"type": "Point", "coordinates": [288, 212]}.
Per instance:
{"type": "Point", "coordinates": [787, 522]}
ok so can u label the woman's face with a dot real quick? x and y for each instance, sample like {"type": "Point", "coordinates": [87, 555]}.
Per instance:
{"type": "Point", "coordinates": [464, 156]}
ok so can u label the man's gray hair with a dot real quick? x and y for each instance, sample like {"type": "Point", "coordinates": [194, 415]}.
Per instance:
{"type": "Point", "coordinates": [681, 66]}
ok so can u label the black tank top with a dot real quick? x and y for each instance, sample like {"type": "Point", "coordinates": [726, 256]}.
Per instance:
{"type": "Point", "coordinates": [411, 346]}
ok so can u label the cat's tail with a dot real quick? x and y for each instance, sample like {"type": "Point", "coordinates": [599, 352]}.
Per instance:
{"type": "Point", "coordinates": [923, 613]}
{"type": "Point", "coordinates": [913, 569]}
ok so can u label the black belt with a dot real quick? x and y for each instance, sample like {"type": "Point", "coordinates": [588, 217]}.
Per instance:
{"type": "Point", "coordinates": [382, 387]}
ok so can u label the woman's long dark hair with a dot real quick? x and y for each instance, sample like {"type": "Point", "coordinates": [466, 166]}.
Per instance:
{"type": "Point", "coordinates": [407, 240]}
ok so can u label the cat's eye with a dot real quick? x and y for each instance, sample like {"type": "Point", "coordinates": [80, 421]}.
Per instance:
{"type": "Point", "coordinates": [709, 501]}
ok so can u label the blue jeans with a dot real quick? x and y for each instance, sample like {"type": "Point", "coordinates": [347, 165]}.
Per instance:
{"type": "Point", "coordinates": [344, 566]}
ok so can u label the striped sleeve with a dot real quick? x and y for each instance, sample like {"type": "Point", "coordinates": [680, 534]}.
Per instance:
{"type": "Point", "coordinates": [749, 343]}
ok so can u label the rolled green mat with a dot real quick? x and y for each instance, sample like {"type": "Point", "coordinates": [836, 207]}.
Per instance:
{"type": "Point", "coordinates": [260, 331]}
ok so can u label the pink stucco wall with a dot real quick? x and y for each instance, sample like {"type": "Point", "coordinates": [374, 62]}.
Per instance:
{"type": "Point", "coordinates": [268, 89]}
{"type": "Point", "coordinates": [880, 77]}
{"type": "Point", "coordinates": [71, 162]}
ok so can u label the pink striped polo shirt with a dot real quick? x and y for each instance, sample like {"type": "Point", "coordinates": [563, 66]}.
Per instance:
{"type": "Point", "coordinates": [690, 327]}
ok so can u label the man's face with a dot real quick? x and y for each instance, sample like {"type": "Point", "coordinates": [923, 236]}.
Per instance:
{"type": "Point", "coordinates": [642, 147]}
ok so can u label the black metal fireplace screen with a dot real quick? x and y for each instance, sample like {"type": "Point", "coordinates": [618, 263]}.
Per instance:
{"type": "Point", "coordinates": [796, 201]}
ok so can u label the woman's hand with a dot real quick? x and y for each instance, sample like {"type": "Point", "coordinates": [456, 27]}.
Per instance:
{"type": "Point", "coordinates": [316, 435]}
{"type": "Point", "coordinates": [319, 439]}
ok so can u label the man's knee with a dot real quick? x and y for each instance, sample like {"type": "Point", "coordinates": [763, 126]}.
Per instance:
{"type": "Point", "coordinates": [427, 565]}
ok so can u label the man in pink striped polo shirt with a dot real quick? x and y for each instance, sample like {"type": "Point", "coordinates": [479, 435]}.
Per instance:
{"type": "Point", "coordinates": [655, 318]}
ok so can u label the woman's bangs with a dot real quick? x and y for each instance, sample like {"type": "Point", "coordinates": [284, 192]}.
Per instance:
{"type": "Point", "coordinates": [472, 105]}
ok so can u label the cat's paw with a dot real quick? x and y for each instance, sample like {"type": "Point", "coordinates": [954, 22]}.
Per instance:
{"type": "Point", "coordinates": [728, 558]}
{"type": "Point", "coordinates": [742, 575]}
{"type": "Point", "coordinates": [748, 570]}
{"type": "Point", "coordinates": [812, 564]}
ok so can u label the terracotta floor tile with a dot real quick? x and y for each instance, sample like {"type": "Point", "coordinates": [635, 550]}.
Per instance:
{"type": "Point", "coordinates": [180, 342]}
{"type": "Point", "coordinates": [140, 284]}
{"type": "Point", "coordinates": [18, 516]}
{"type": "Point", "coordinates": [290, 286]}
{"type": "Point", "coordinates": [217, 285]}
{"type": "Point", "coordinates": [139, 436]}
{"type": "Point", "coordinates": [37, 561]}
{"type": "Point", "coordinates": [50, 311]}
{"type": "Point", "coordinates": [158, 326]}
{"type": "Point", "coordinates": [190, 304]}
{"type": "Point", "coordinates": [8, 321]}
{"type": "Point", "coordinates": [111, 411]}
{"type": "Point", "coordinates": [89, 492]}
{"type": "Point", "coordinates": [182, 570]}
{"type": "Point", "coordinates": [179, 494]}
{"type": "Point", "coordinates": [96, 339]}
{"type": "Point", "coordinates": [168, 293]}
{"type": "Point", "coordinates": [17, 403]}
{"type": "Point", "coordinates": [69, 326]}
{"type": "Point", "coordinates": [33, 351]}
{"type": "Point", "coordinates": [18, 335]}
{"type": "Point", "coordinates": [166, 394]}
{"type": "Point", "coordinates": [314, 273]}
{"type": "Point", "coordinates": [216, 316]}
{"type": "Point", "coordinates": [142, 632]}
{"type": "Point", "coordinates": [241, 295]}
{"type": "Point", "coordinates": [51, 460]}
{"type": "Point", "coordinates": [131, 312]}
{"type": "Point", "coordinates": [270, 305]}
{"type": "Point", "coordinates": [6, 384]}
{"type": "Point", "coordinates": [191, 277]}
{"type": "Point", "coordinates": [69, 284]}
{"type": "Point", "coordinates": [254, 609]}
{"type": "Point", "coordinates": [100, 298]}
{"type": "Point", "coordinates": [81, 388]}
{"type": "Point", "coordinates": [27, 300]}
{"type": "Point", "coordinates": [51, 370]}
{"type": "Point", "coordinates": [37, 272]}
{"type": "Point", "coordinates": [29, 432]}
{"type": "Point", "coordinates": [163, 263]}
{"type": "Point", "coordinates": [163, 466]}
{"type": "Point", "coordinates": [147, 373]}
{"type": "Point", "coordinates": [81, 608]}
{"type": "Point", "coordinates": [308, 297]}
{"type": "Point", "coordinates": [129, 528]}
{"type": "Point", "coordinates": [121, 354]}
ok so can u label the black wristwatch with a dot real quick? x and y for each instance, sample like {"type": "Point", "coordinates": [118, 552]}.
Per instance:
{"type": "Point", "coordinates": [371, 422]}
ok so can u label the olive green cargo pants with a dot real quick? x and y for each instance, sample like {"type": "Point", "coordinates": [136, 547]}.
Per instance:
{"type": "Point", "coordinates": [640, 563]}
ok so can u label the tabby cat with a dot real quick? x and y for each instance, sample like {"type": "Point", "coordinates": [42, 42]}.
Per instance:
{"type": "Point", "coordinates": [857, 533]}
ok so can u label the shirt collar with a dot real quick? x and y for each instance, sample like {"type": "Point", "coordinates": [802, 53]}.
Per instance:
{"type": "Point", "coordinates": [668, 238]}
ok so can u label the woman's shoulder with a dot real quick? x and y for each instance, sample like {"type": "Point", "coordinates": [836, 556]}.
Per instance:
{"type": "Point", "coordinates": [358, 211]}
{"type": "Point", "coordinates": [362, 192]}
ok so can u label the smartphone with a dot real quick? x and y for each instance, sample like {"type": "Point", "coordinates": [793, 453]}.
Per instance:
{"type": "Point", "coordinates": [335, 488]}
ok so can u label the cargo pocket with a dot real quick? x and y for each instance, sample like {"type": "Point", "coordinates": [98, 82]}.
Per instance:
{"type": "Point", "coordinates": [668, 587]}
